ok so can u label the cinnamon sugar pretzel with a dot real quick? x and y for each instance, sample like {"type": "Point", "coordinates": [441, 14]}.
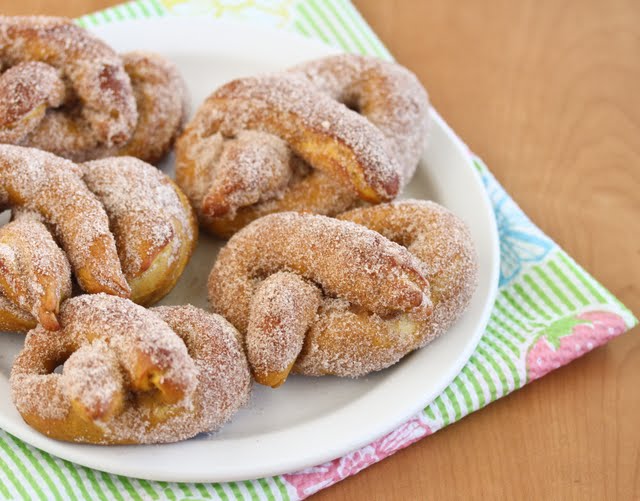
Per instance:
{"type": "Point", "coordinates": [343, 296]}
{"type": "Point", "coordinates": [321, 137]}
{"type": "Point", "coordinates": [130, 376]}
{"type": "Point", "coordinates": [64, 91]}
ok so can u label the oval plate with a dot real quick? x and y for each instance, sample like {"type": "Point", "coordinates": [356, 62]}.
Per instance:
{"type": "Point", "coordinates": [308, 420]}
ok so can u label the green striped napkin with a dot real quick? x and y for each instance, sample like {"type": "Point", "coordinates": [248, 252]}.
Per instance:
{"type": "Point", "coordinates": [549, 311]}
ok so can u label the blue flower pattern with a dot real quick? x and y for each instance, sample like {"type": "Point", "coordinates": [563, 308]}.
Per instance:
{"type": "Point", "coordinates": [521, 242]}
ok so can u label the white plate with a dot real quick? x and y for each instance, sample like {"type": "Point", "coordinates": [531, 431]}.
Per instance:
{"type": "Point", "coordinates": [308, 420]}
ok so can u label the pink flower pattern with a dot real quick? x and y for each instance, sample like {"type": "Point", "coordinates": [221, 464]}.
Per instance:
{"type": "Point", "coordinates": [311, 480]}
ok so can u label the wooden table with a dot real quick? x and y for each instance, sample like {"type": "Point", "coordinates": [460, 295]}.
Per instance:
{"type": "Point", "coordinates": [547, 92]}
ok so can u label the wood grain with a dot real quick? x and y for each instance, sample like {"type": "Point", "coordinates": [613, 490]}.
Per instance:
{"type": "Point", "coordinates": [546, 91]}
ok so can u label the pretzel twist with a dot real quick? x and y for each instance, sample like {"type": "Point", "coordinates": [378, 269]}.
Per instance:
{"type": "Point", "coordinates": [66, 92]}
{"type": "Point", "coordinates": [328, 296]}
{"type": "Point", "coordinates": [290, 141]}
{"type": "Point", "coordinates": [130, 375]}
{"type": "Point", "coordinates": [123, 228]}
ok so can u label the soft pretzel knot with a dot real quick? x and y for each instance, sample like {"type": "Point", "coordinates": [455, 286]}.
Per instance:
{"type": "Point", "coordinates": [64, 91]}
{"type": "Point", "coordinates": [343, 296]}
{"type": "Point", "coordinates": [130, 375]}
{"type": "Point", "coordinates": [120, 225]}
{"type": "Point", "coordinates": [318, 138]}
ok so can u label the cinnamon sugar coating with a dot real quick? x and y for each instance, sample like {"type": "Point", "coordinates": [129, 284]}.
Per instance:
{"type": "Point", "coordinates": [51, 186]}
{"type": "Point", "coordinates": [387, 94]}
{"type": "Point", "coordinates": [67, 92]}
{"type": "Point", "coordinates": [387, 285]}
{"type": "Point", "coordinates": [152, 222]}
{"type": "Point", "coordinates": [130, 375]}
{"type": "Point", "coordinates": [123, 227]}
{"type": "Point", "coordinates": [34, 270]}
{"type": "Point", "coordinates": [278, 324]}
{"type": "Point", "coordinates": [289, 141]}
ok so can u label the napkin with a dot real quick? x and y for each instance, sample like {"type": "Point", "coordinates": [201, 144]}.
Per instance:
{"type": "Point", "coordinates": [548, 312]}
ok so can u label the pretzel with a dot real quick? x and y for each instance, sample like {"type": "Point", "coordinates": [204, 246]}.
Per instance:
{"type": "Point", "coordinates": [287, 142]}
{"type": "Point", "coordinates": [130, 375]}
{"type": "Point", "coordinates": [124, 227]}
{"type": "Point", "coordinates": [325, 296]}
{"type": "Point", "coordinates": [66, 92]}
